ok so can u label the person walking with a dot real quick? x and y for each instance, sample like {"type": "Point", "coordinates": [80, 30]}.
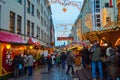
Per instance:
{"type": "Point", "coordinates": [25, 64]}
{"type": "Point", "coordinates": [70, 61]}
{"type": "Point", "coordinates": [49, 62]}
{"type": "Point", "coordinates": [30, 64]}
{"type": "Point", "coordinates": [96, 61]}
{"type": "Point", "coordinates": [63, 59]}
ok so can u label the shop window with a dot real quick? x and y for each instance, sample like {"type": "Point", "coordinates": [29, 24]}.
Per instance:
{"type": "Point", "coordinates": [19, 23]}
{"type": "Point", "coordinates": [20, 1]}
{"type": "Point", "coordinates": [28, 28]}
{"type": "Point", "coordinates": [12, 22]}
{"type": "Point", "coordinates": [32, 28]}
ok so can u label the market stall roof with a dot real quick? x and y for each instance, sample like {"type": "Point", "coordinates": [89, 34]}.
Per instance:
{"type": "Point", "coordinates": [33, 41]}
{"type": "Point", "coordinates": [10, 37]}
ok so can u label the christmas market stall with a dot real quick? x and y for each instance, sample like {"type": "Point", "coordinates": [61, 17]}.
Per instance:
{"type": "Point", "coordinates": [10, 45]}
{"type": "Point", "coordinates": [105, 35]}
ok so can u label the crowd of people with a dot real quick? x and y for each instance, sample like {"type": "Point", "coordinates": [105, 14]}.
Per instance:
{"type": "Point", "coordinates": [103, 62]}
{"type": "Point", "coordinates": [23, 64]}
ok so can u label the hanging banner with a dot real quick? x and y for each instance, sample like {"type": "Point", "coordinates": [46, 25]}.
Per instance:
{"type": "Point", "coordinates": [65, 38]}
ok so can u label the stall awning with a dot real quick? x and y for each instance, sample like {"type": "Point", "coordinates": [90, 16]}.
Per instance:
{"type": "Point", "coordinates": [33, 41]}
{"type": "Point", "coordinates": [10, 37]}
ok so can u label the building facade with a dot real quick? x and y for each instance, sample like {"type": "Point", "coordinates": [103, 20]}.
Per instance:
{"type": "Point", "coordinates": [100, 21]}
{"type": "Point", "coordinates": [27, 18]}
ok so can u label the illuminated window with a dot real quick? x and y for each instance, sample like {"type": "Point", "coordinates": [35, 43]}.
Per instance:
{"type": "Point", "coordinates": [12, 21]}
{"type": "Point", "coordinates": [19, 22]}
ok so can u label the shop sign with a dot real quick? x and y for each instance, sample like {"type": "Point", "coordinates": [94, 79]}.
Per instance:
{"type": "Point", "coordinates": [65, 38]}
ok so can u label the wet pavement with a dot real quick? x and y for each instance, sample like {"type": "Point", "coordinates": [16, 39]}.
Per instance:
{"type": "Point", "coordinates": [56, 74]}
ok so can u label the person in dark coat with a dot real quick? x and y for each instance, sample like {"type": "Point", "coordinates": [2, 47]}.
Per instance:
{"type": "Point", "coordinates": [112, 61]}
{"type": "Point", "coordinates": [16, 65]}
{"type": "Point", "coordinates": [63, 59]}
{"type": "Point", "coordinates": [85, 57]}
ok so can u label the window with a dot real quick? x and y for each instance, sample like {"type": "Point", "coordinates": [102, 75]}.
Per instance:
{"type": "Point", "coordinates": [98, 25]}
{"type": "Point", "coordinates": [32, 28]}
{"type": "Point", "coordinates": [97, 6]}
{"type": "Point", "coordinates": [106, 4]}
{"type": "Point", "coordinates": [41, 20]}
{"type": "Point", "coordinates": [97, 10]}
{"type": "Point", "coordinates": [98, 20]}
{"type": "Point", "coordinates": [28, 6]}
{"type": "Point", "coordinates": [12, 21]}
{"type": "Point", "coordinates": [97, 16]}
{"type": "Point", "coordinates": [38, 14]}
{"type": "Point", "coordinates": [28, 28]}
{"type": "Point", "coordinates": [37, 32]}
{"type": "Point", "coordinates": [42, 34]}
{"type": "Point", "coordinates": [97, 2]}
{"type": "Point", "coordinates": [32, 12]}
{"type": "Point", "coordinates": [19, 22]}
{"type": "Point", "coordinates": [41, 8]}
{"type": "Point", "coordinates": [38, 1]}
{"type": "Point", "coordinates": [45, 37]}
{"type": "Point", "coordinates": [20, 1]}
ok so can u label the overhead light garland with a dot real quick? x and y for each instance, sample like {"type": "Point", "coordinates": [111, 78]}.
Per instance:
{"type": "Point", "coordinates": [66, 3]}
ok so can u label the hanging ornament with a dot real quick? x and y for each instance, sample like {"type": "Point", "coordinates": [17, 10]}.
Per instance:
{"type": "Point", "coordinates": [64, 9]}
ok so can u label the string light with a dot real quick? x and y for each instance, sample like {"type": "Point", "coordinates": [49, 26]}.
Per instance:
{"type": "Point", "coordinates": [66, 3]}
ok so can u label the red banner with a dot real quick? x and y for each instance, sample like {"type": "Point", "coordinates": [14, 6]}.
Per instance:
{"type": "Point", "coordinates": [65, 38]}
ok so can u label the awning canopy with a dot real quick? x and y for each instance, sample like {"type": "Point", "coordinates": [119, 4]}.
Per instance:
{"type": "Point", "coordinates": [10, 37]}
{"type": "Point", "coordinates": [33, 41]}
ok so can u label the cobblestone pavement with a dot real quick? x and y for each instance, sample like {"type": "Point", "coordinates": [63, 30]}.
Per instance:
{"type": "Point", "coordinates": [42, 74]}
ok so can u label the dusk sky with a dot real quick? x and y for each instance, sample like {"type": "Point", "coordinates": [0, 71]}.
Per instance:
{"type": "Point", "coordinates": [64, 18]}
